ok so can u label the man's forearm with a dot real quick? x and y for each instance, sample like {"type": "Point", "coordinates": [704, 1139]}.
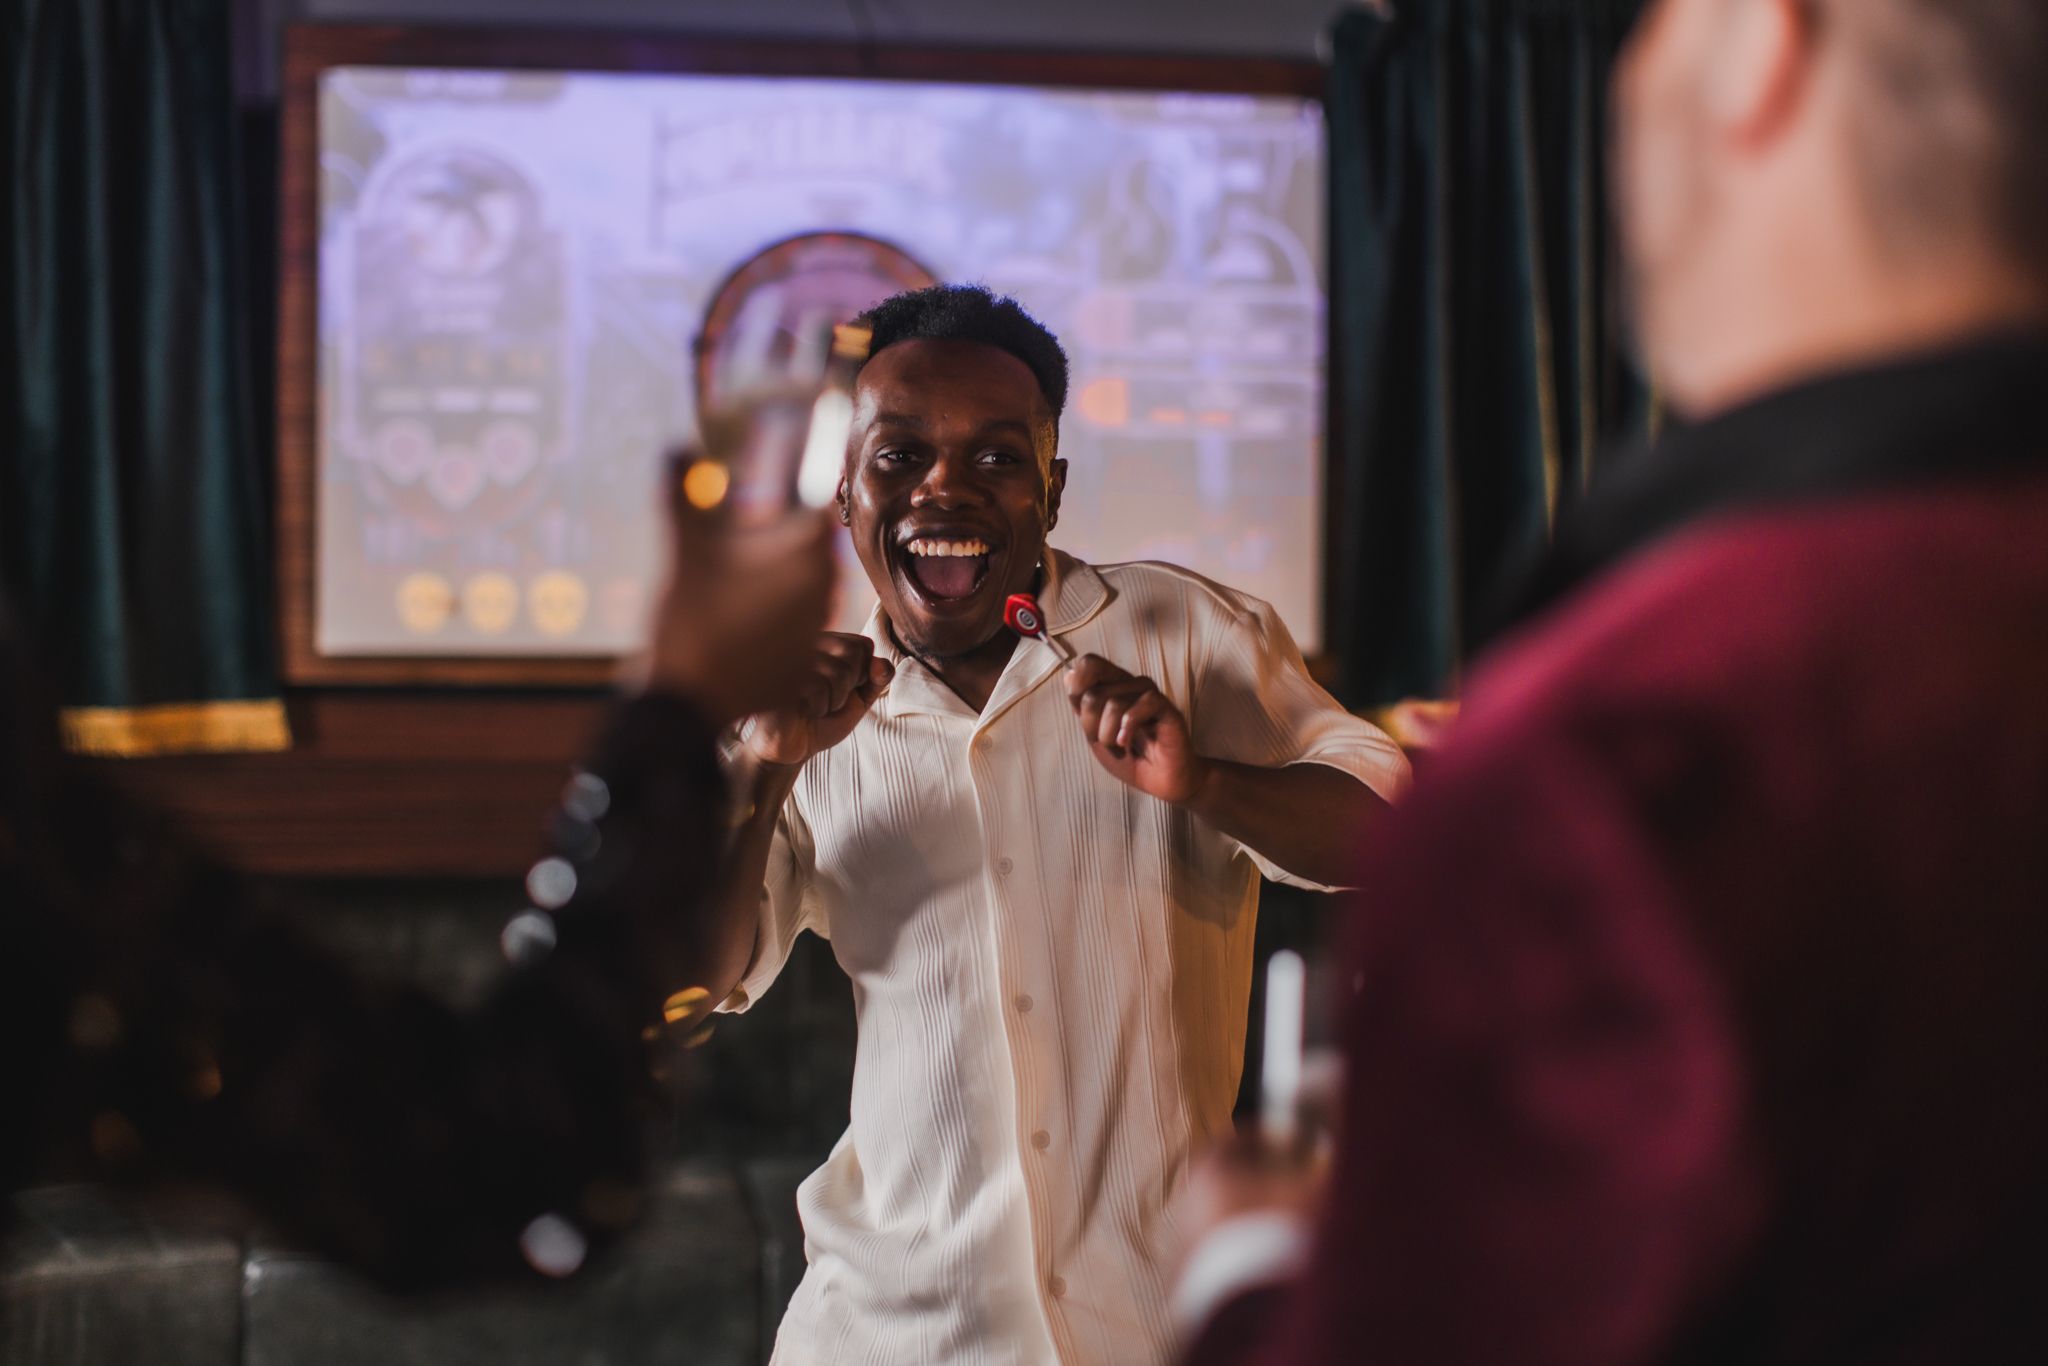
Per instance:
{"type": "Point", "coordinates": [761, 790]}
{"type": "Point", "coordinates": [1306, 817]}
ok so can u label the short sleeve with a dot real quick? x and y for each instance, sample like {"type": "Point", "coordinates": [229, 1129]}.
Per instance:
{"type": "Point", "coordinates": [1255, 703]}
{"type": "Point", "coordinates": [789, 906]}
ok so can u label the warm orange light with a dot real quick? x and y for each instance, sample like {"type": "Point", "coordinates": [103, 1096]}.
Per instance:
{"type": "Point", "coordinates": [1105, 402]}
{"type": "Point", "coordinates": [684, 1004]}
{"type": "Point", "coordinates": [1169, 417]}
{"type": "Point", "coordinates": [705, 484]}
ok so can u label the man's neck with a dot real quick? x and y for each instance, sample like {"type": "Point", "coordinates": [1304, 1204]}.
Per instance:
{"type": "Point", "coordinates": [971, 677]}
{"type": "Point", "coordinates": [1796, 334]}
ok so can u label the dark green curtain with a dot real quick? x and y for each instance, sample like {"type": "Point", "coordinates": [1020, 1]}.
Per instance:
{"type": "Point", "coordinates": [1476, 365]}
{"type": "Point", "coordinates": [132, 503]}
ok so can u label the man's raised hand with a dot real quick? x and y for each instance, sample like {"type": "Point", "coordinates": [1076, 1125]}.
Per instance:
{"type": "Point", "coordinates": [845, 679]}
{"type": "Point", "coordinates": [1134, 730]}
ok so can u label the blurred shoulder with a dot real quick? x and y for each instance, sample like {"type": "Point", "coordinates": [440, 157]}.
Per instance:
{"type": "Point", "coordinates": [1776, 627]}
{"type": "Point", "coordinates": [1778, 591]}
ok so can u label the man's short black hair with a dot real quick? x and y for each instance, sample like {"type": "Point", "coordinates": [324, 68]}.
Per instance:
{"type": "Point", "coordinates": [975, 314]}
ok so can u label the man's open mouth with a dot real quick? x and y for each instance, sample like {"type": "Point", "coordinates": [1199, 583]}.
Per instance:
{"type": "Point", "coordinates": [946, 570]}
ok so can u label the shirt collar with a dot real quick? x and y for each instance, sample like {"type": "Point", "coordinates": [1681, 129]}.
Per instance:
{"type": "Point", "coordinates": [1969, 411]}
{"type": "Point", "coordinates": [1071, 593]}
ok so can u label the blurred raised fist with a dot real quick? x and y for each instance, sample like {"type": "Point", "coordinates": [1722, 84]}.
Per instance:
{"type": "Point", "coordinates": [738, 619]}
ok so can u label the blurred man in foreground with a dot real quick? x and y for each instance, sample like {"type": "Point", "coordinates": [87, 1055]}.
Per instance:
{"type": "Point", "coordinates": [165, 1025]}
{"type": "Point", "coordinates": [1699, 1014]}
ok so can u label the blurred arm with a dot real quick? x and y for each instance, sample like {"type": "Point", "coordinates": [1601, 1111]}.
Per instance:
{"type": "Point", "coordinates": [371, 1123]}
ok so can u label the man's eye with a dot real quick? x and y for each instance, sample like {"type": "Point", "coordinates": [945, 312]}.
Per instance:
{"type": "Point", "coordinates": [998, 458]}
{"type": "Point", "coordinates": [894, 457]}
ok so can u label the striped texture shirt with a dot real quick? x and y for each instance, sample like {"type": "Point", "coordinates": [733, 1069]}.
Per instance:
{"type": "Point", "coordinates": [1051, 973]}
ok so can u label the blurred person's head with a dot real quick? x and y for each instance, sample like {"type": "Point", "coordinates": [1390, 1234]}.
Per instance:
{"type": "Point", "coordinates": [952, 477]}
{"type": "Point", "coordinates": [1809, 184]}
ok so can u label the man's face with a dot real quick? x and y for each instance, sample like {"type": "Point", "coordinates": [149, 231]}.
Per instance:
{"type": "Point", "coordinates": [1664, 179]}
{"type": "Point", "coordinates": [951, 487]}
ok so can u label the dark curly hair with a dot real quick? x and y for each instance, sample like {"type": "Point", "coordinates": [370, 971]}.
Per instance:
{"type": "Point", "coordinates": [976, 314]}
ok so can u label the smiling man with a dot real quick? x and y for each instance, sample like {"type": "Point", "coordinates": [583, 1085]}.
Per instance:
{"type": "Point", "coordinates": [1043, 882]}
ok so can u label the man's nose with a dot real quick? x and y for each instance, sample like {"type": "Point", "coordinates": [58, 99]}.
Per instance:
{"type": "Point", "coordinates": [948, 483]}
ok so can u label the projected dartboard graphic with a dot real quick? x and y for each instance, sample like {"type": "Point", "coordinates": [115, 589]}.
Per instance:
{"type": "Point", "coordinates": [525, 279]}
{"type": "Point", "coordinates": [837, 273]}
{"type": "Point", "coordinates": [458, 344]}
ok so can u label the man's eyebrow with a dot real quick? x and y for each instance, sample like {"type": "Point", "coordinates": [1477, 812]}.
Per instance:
{"type": "Point", "coordinates": [901, 420]}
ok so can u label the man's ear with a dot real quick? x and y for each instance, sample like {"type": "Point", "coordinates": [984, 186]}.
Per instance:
{"type": "Point", "coordinates": [1055, 485]}
{"type": "Point", "coordinates": [1762, 66]}
{"type": "Point", "coordinates": [845, 508]}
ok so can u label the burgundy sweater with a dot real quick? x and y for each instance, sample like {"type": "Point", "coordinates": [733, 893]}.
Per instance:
{"type": "Point", "coordinates": [1701, 987]}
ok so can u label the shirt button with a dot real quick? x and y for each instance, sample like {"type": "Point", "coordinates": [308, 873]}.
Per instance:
{"type": "Point", "coordinates": [1057, 1285]}
{"type": "Point", "coordinates": [1005, 867]}
{"type": "Point", "coordinates": [1024, 1004]}
{"type": "Point", "coordinates": [1041, 1140]}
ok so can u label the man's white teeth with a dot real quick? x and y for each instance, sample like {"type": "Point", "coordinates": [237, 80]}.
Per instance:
{"type": "Point", "coordinates": [927, 546]}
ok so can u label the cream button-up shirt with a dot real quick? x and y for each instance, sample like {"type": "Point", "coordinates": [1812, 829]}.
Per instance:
{"type": "Point", "coordinates": [1051, 972]}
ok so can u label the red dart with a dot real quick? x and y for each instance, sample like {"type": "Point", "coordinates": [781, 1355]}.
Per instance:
{"type": "Point", "coordinates": [1022, 615]}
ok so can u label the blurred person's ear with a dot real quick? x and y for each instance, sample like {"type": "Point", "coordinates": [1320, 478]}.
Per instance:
{"type": "Point", "coordinates": [1762, 69]}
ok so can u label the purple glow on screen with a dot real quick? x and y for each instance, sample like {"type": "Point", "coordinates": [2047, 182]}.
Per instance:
{"type": "Point", "coordinates": [513, 268]}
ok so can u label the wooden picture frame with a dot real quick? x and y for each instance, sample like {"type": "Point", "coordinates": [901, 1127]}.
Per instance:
{"type": "Point", "coordinates": [310, 50]}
